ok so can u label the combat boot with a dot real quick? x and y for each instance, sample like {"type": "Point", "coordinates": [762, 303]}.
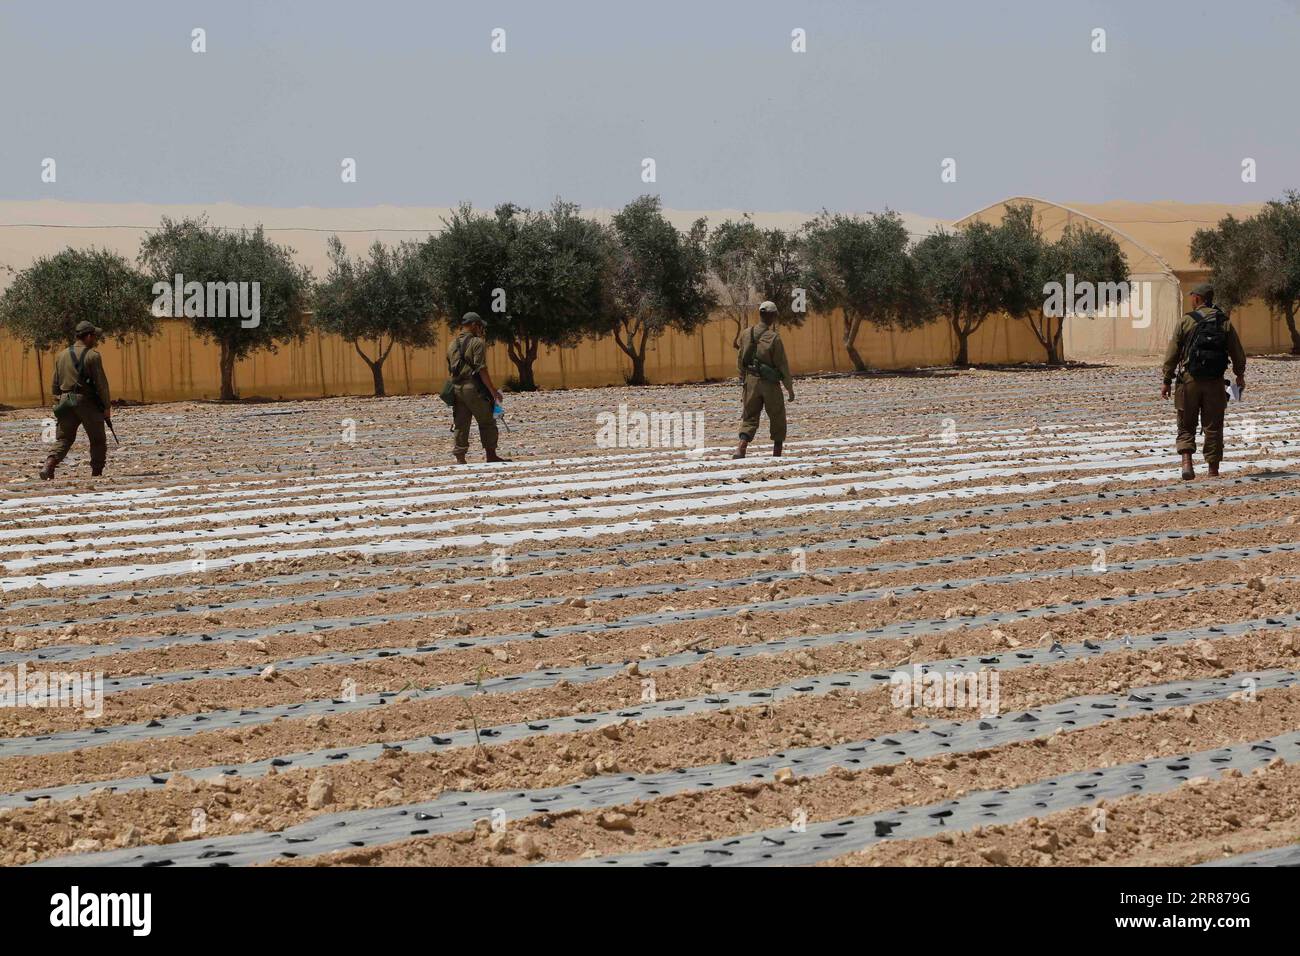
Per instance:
{"type": "Point", "coordinates": [1213, 469]}
{"type": "Point", "coordinates": [460, 457]}
{"type": "Point", "coordinates": [740, 449]}
{"type": "Point", "coordinates": [493, 456]}
{"type": "Point", "coordinates": [1188, 471]}
{"type": "Point", "coordinates": [48, 471]}
{"type": "Point", "coordinates": [776, 449]}
{"type": "Point", "coordinates": [96, 471]}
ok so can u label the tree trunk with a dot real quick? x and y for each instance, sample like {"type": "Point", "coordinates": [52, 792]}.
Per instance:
{"type": "Point", "coordinates": [1290, 326]}
{"type": "Point", "coordinates": [523, 356]}
{"type": "Point", "coordinates": [1058, 343]}
{"type": "Point", "coordinates": [638, 364]}
{"type": "Point", "coordinates": [1048, 338]}
{"type": "Point", "coordinates": [963, 349]}
{"type": "Point", "coordinates": [851, 326]}
{"type": "Point", "coordinates": [1050, 341]}
{"type": "Point", "coordinates": [638, 370]}
{"type": "Point", "coordinates": [524, 366]}
{"type": "Point", "coordinates": [633, 352]}
{"type": "Point", "coordinates": [227, 373]}
{"type": "Point", "coordinates": [40, 371]}
{"type": "Point", "coordinates": [376, 366]}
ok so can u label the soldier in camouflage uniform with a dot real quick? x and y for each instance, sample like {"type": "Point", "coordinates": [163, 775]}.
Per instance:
{"type": "Point", "coordinates": [1200, 392]}
{"type": "Point", "coordinates": [81, 388]}
{"type": "Point", "coordinates": [763, 371]}
{"type": "Point", "coordinates": [473, 388]}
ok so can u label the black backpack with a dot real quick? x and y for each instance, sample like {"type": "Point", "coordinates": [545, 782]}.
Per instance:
{"type": "Point", "coordinates": [1207, 350]}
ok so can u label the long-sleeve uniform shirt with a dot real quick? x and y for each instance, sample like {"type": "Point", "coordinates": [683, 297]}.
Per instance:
{"type": "Point", "coordinates": [67, 380]}
{"type": "Point", "coordinates": [83, 411]}
{"type": "Point", "coordinates": [466, 357]}
{"type": "Point", "coordinates": [769, 350]}
{"type": "Point", "coordinates": [472, 353]}
{"type": "Point", "coordinates": [761, 343]}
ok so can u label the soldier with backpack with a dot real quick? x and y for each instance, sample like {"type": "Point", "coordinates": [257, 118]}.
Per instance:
{"type": "Point", "coordinates": [763, 371]}
{"type": "Point", "coordinates": [81, 388]}
{"type": "Point", "coordinates": [1199, 352]}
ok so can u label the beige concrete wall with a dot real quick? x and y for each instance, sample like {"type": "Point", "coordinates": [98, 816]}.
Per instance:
{"type": "Point", "coordinates": [177, 365]}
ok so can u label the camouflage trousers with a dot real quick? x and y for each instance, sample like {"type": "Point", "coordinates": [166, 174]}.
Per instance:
{"type": "Point", "coordinates": [82, 414]}
{"type": "Point", "coordinates": [758, 396]}
{"type": "Point", "coordinates": [472, 405]}
{"type": "Point", "coordinates": [1204, 402]}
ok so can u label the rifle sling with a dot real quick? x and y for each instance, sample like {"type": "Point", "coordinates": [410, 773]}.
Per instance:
{"type": "Point", "coordinates": [90, 390]}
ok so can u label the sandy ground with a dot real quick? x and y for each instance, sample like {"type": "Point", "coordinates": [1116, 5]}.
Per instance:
{"type": "Point", "coordinates": [901, 500]}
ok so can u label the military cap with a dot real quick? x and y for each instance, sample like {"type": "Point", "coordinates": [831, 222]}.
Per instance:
{"type": "Point", "coordinates": [85, 328]}
{"type": "Point", "coordinates": [767, 307]}
{"type": "Point", "coordinates": [1203, 289]}
{"type": "Point", "coordinates": [469, 318]}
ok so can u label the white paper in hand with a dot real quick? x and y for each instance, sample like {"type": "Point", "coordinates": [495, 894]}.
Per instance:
{"type": "Point", "coordinates": [1233, 391]}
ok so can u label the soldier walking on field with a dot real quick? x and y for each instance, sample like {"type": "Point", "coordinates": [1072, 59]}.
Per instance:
{"type": "Point", "coordinates": [1199, 352]}
{"type": "Point", "coordinates": [81, 388]}
{"type": "Point", "coordinates": [763, 371]}
{"type": "Point", "coordinates": [472, 388]}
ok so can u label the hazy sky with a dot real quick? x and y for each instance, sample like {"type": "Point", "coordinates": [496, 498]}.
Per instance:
{"type": "Point", "coordinates": [710, 89]}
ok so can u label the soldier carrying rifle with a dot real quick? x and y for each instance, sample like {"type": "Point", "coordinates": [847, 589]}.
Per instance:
{"type": "Point", "coordinates": [763, 371]}
{"type": "Point", "coordinates": [470, 391]}
{"type": "Point", "coordinates": [81, 388]}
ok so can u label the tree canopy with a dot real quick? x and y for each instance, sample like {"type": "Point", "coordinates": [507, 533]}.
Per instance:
{"type": "Point", "coordinates": [205, 254]}
{"type": "Point", "coordinates": [861, 265]}
{"type": "Point", "coordinates": [536, 278]}
{"type": "Point", "coordinates": [46, 300]}
{"type": "Point", "coordinates": [386, 297]}
{"type": "Point", "coordinates": [659, 280]}
{"type": "Point", "coordinates": [1258, 257]}
{"type": "Point", "coordinates": [750, 264]}
{"type": "Point", "coordinates": [967, 276]}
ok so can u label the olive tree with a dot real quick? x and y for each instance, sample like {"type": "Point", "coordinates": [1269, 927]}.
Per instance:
{"type": "Point", "coordinates": [1258, 257]}
{"type": "Point", "coordinates": [862, 266]}
{"type": "Point", "coordinates": [536, 278]}
{"type": "Point", "coordinates": [385, 297]}
{"type": "Point", "coordinates": [659, 280]}
{"type": "Point", "coordinates": [214, 257]}
{"type": "Point", "coordinates": [46, 300]}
